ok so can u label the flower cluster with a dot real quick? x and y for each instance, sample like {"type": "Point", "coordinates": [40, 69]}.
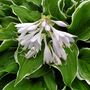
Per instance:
{"type": "Point", "coordinates": [32, 34]}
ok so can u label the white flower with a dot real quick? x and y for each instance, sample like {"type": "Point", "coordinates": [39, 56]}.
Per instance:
{"type": "Point", "coordinates": [44, 23]}
{"type": "Point", "coordinates": [60, 23]}
{"type": "Point", "coordinates": [60, 52]}
{"type": "Point", "coordinates": [31, 53]}
{"type": "Point", "coordinates": [47, 28]}
{"type": "Point", "coordinates": [48, 58]}
{"type": "Point", "coordinates": [56, 59]}
{"type": "Point", "coordinates": [63, 37]}
{"type": "Point", "coordinates": [32, 34]}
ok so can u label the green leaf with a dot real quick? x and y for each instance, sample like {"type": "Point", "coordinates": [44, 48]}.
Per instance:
{"type": "Point", "coordinates": [7, 20]}
{"type": "Point", "coordinates": [8, 2]}
{"type": "Point", "coordinates": [68, 4]}
{"type": "Point", "coordinates": [5, 80]}
{"type": "Point", "coordinates": [24, 14]}
{"type": "Point", "coordinates": [27, 67]}
{"type": "Point", "coordinates": [25, 85]}
{"type": "Point", "coordinates": [8, 33]}
{"type": "Point", "coordinates": [6, 44]}
{"type": "Point", "coordinates": [7, 63]}
{"type": "Point", "coordinates": [70, 10]}
{"type": "Point", "coordinates": [37, 2]}
{"type": "Point", "coordinates": [79, 85]}
{"type": "Point", "coordinates": [84, 64]}
{"type": "Point", "coordinates": [50, 81]}
{"type": "Point", "coordinates": [80, 24]}
{"type": "Point", "coordinates": [52, 7]}
{"type": "Point", "coordinates": [69, 68]}
{"type": "Point", "coordinates": [6, 9]}
{"type": "Point", "coordinates": [18, 2]}
{"type": "Point", "coordinates": [2, 13]}
{"type": "Point", "coordinates": [61, 4]}
{"type": "Point", "coordinates": [40, 72]}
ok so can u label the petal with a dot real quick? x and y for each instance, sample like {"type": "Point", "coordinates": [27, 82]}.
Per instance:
{"type": "Point", "coordinates": [26, 38]}
{"type": "Point", "coordinates": [60, 23]}
{"type": "Point", "coordinates": [23, 29]}
{"type": "Point", "coordinates": [21, 37]}
{"type": "Point", "coordinates": [44, 23]}
{"type": "Point", "coordinates": [37, 46]}
{"type": "Point", "coordinates": [33, 27]}
{"type": "Point", "coordinates": [37, 37]}
{"type": "Point", "coordinates": [47, 55]}
{"type": "Point", "coordinates": [29, 36]}
{"type": "Point", "coordinates": [47, 27]}
{"type": "Point", "coordinates": [60, 52]}
{"type": "Point", "coordinates": [31, 53]}
{"type": "Point", "coordinates": [57, 32]}
{"type": "Point", "coordinates": [66, 41]}
{"type": "Point", "coordinates": [57, 60]}
{"type": "Point", "coordinates": [64, 37]}
{"type": "Point", "coordinates": [30, 45]}
{"type": "Point", "coordinates": [68, 34]}
{"type": "Point", "coordinates": [56, 47]}
{"type": "Point", "coordinates": [27, 45]}
{"type": "Point", "coordinates": [23, 25]}
{"type": "Point", "coordinates": [63, 53]}
{"type": "Point", "coordinates": [71, 39]}
{"type": "Point", "coordinates": [23, 42]}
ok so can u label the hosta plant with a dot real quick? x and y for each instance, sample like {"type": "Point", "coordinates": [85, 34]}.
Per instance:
{"type": "Point", "coordinates": [44, 44]}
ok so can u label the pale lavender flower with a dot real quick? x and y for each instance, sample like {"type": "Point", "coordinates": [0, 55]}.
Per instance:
{"type": "Point", "coordinates": [32, 34]}
{"type": "Point", "coordinates": [60, 23]}
{"type": "Point", "coordinates": [48, 58]}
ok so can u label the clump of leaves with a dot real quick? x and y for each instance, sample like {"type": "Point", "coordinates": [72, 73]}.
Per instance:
{"type": "Point", "coordinates": [18, 73]}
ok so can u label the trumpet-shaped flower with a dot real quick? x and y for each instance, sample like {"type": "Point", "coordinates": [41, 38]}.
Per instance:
{"type": "Point", "coordinates": [32, 34]}
{"type": "Point", "coordinates": [48, 58]}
